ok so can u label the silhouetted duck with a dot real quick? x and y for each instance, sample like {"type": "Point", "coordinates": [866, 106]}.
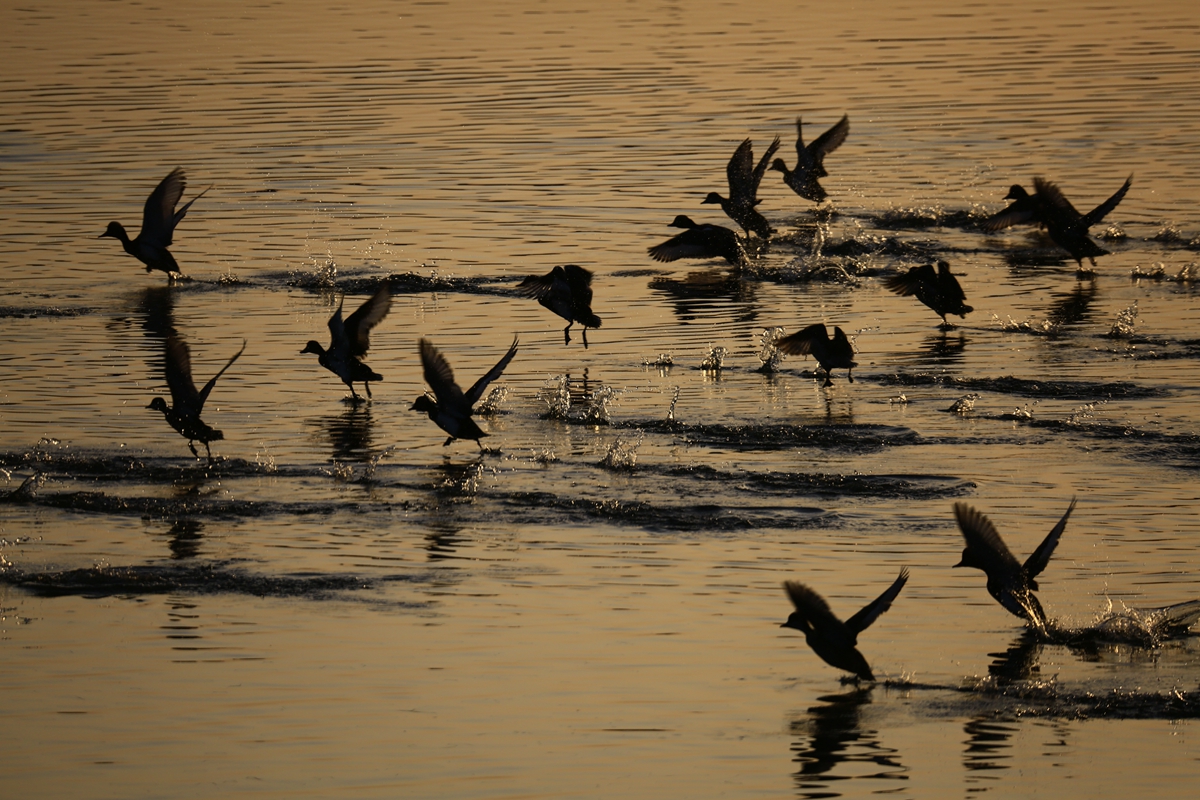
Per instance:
{"type": "Point", "coordinates": [567, 291]}
{"type": "Point", "coordinates": [830, 638]}
{"type": "Point", "coordinates": [351, 339]}
{"type": "Point", "coordinates": [831, 354]}
{"type": "Point", "coordinates": [937, 289]}
{"type": "Point", "coordinates": [744, 177]}
{"type": "Point", "coordinates": [810, 161]}
{"type": "Point", "coordinates": [1011, 583]}
{"type": "Point", "coordinates": [186, 402]}
{"type": "Point", "coordinates": [700, 241]}
{"type": "Point", "coordinates": [1066, 226]}
{"type": "Point", "coordinates": [452, 409]}
{"type": "Point", "coordinates": [159, 219]}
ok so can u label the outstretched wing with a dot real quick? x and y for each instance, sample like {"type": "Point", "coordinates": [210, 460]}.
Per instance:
{"type": "Point", "coordinates": [740, 173]}
{"type": "Point", "coordinates": [477, 390]}
{"type": "Point", "coordinates": [1041, 557]}
{"type": "Point", "coordinates": [178, 367]}
{"type": "Point", "coordinates": [917, 279]}
{"type": "Point", "coordinates": [580, 282]}
{"type": "Point", "coordinates": [812, 607]}
{"type": "Point", "coordinates": [983, 541]}
{"type": "Point", "coordinates": [439, 376]}
{"type": "Point", "coordinates": [801, 342]}
{"type": "Point", "coordinates": [1054, 204]}
{"type": "Point", "coordinates": [359, 324]}
{"type": "Point", "coordinates": [829, 141]}
{"type": "Point", "coordinates": [761, 169]}
{"type": "Point", "coordinates": [208, 387]}
{"type": "Point", "coordinates": [1101, 211]}
{"type": "Point", "coordinates": [158, 217]}
{"type": "Point", "coordinates": [871, 611]}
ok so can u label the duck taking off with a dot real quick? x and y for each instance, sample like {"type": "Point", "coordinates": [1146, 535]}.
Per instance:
{"type": "Point", "coordinates": [350, 339]}
{"type": "Point", "coordinates": [810, 160]}
{"type": "Point", "coordinates": [937, 289]}
{"type": "Point", "coordinates": [830, 638]}
{"type": "Point", "coordinates": [159, 219]}
{"type": "Point", "coordinates": [744, 177]}
{"type": "Point", "coordinates": [567, 291]}
{"type": "Point", "coordinates": [450, 408]}
{"type": "Point", "coordinates": [700, 241]}
{"type": "Point", "coordinates": [1011, 583]}
{"type": "Point", "coordinates": [186, 402]}
{"type": "Point", "coordinates": [1048, 207]}
{"type": "Point", "coordinates": [831, 354]}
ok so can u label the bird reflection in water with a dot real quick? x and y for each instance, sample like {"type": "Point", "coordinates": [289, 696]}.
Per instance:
{"type": "Point", "coordinates": [832, 742]}
{"type": "Point", "coordinates": [1019, 662]}
{"type": "Point", "coordinates": [1074, 307]}
{"type": "Point", "coordinates": [943, 349]}
{"type": "Point", "coordinates": [444, 540]}
{"type": "Point", "coordinates": [156, 306]}
{"type": "Point", "coordinates": [988, 746]}
{"type": "Point", "coordinates": [349, 433]}
{"type": "Point", "coordinates": [695, 296]}
{"type": "Point", "coordinates": [185, 537]}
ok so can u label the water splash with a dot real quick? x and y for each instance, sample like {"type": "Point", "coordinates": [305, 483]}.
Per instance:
{"type": "Point", "coordinates": [596, 406]}
{"type": "Point", "coordinates": [622, 454]}
{"type": "Point", "coordinates": [1025, 412]}
{"type": "Point", "coordinates": [1125, 323]}
{"type": "Point", "coordinates": [899, 400]}
{"type": "Point", "coordinates": [321, 276]}
{"type": "Point", "coordinates": [490, 406]}
{"type": "Point", "coordinates": [556, 394]}
{"type": "Point", "coordinates": [715, 359]}
{"type": "Point", "coordinates": [663, 362]}
{"type": "Point", "coordinates": [1043, 328]}
{"type": "Point", "coordinates": [671, 410]}
{"type": "Point", "coordinates": [768, 350]}
{"type": "Point", "coordinates": [1085, 412]}
{"type": "Point", "coordinates": [1158, 272]}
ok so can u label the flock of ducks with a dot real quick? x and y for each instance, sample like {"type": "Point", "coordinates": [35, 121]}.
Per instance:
{"type": "Point", "coordinates": [566, 291]}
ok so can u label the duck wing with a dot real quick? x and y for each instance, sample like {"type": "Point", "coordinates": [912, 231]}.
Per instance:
{"type": "Point", "coordinates": [984, 542]}
{"type": "Point", "coordinates": [1054, 205]}
{"type": "Point", "coordinates": [815, 610]}
{"type": "Point", "coordinates": [208, 387]}
{"type": "Point", "coordinates": [761, 169]}
{"type": "Point", "coordinates": [801, 342]}
{"type": "Point", "coordinates": [359, 324]}
{"type": "Point", "coordinates": [476, 391]}
{"type": "Point", "coordinates": [916, 280]}
{"type": "Point", "coordinates": [1101, 211]}
{"type": "Point", "coordinates": [178, 367]}
{"type": "Point", "coordinates": [871, 611]}
{"type": "Point", "coordinates": [827, 142]}
{"type": "Point", "coordinates": [1022, 211]}
{"type": "Point", "coordinates": [1041, 557]}
{"type": "Point", "coordinates": [439, 376]}
{"type": "Point", "coordinates": [158, 217]}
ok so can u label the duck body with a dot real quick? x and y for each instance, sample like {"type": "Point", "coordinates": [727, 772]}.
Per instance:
{"type": "Point", "coordinates": [700, 241]}
{"type": "Point", "coordinates": [836, 642]}
{"type": "Point", "coordinates": [567, 291]}
{"type": "Point", "coordinates": [451, 408]}
{"type": "Point", "coordinates": [744, 177]}
{"type": "Point", "coordinates": [1011, 583]}
{"type": "Point", "coordinates": [938, 289]}
{"type": "Point", "coordinates": [186, 402]}
{"type": "Point", "coordinates": [810, 160]}
{"type": "Point", "coordinates": [159, 219]}
{"type": "Point", "coordinates": [350, 339]}
{"type": "Point", "coordinates": [1049, 208]}
{"type": "Point", "coordinates": [831, 353]}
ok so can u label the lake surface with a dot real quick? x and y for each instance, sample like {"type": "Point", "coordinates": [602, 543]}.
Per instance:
{"type": "Point", "coordinates": [340, 606]}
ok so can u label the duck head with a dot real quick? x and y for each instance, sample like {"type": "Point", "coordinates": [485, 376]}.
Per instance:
{"type": "Point", "coordinates": [712, 197]}
{"type": "Point", "coordinates": [424, 403]}
{"type": "Point", "coordinates": [313, 347]}
{"type": "Point", "coordinates": [115, 230]}
{"type": "Point", "coordinates": [682, 221]}
{"type": "Point", "coordinates": [158, 404]}
{"type": "Point", "coordinates": [778, 165]}
{"type": "Point", "coordinates": [1016, 192]}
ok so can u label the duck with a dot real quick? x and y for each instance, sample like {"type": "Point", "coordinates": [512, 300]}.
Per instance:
{"type": "Point", "coordinates": [1011, 583]}
{"type": "Point", "coordinates": [939, 289]}
{"type": "Point", "coordinates": [159, 219]}
{"type": "Point", "coordinates": [450, 408]}
{"type": "Point", "coordinates": [700, 241]}
{"type": "Point", "coordinates": [831, 354]}
{"type": "Point", "coordinates": [744, 177]}
{"type": "Point", "coordinates": [567, 291]}
{"type": "Point", "coordinates": [830, 638]}
{"type": "Point", "coordinates": [186, 403]}
{"type": "Point", "coordinates": [350, 339]}
{"type": "Point", "coordinates": [810, 160]}
{"type": "Point", "coordinates": [1048, 207]}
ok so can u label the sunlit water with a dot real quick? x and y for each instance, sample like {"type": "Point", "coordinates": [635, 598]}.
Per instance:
{"type": "Point", "coordinates": [340, 605]}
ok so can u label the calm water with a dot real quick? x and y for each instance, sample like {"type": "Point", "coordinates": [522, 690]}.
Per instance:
{"type": "Point", "coordinates": [340, 606]}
